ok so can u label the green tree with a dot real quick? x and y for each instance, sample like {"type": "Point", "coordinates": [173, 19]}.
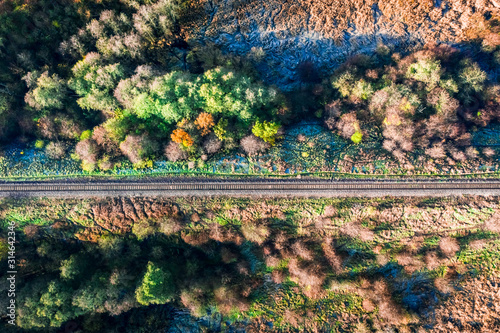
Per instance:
{"type": "Point", "coordinates": [266, 130]}
{"type": "Point", "coordinates": [157, 286]}
{"type": "Point", "coordinates": [95, 82]}
{"type": "Point", "coordinates": [52, 307]}
{"type": "Point", "coordinates": [179, 95]}
{"type": "Point", "coordinates": [48, 92]}
{"type": "Point", "coordinates": [428, 71]}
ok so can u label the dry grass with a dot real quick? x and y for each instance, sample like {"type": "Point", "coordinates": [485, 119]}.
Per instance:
{"type": "Point", "coordinates": [255, 232]}
{"type": "Point", "coordinates": [355, 230]}
{"type": "Point", "coordinates": [474, 308]}
{"type": "Point", "coordinates": [309, 276]}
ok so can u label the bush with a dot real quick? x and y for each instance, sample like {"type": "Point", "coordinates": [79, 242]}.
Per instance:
{"type": "Point", "coordinates": [253, 145]}
{"type": "Point", "coordinates": [174, 152]}
{"type": "Point", "coordinates": [265, 130]}
{"type": "Point", "coordinates": [137, 147]}
{"type": "Point", "coordinates": [39, 144]}
{"type": "Point", "coordinates": [87, 151]}
{"type": "Point", "coordinates": [212, 144]}
{"type": "Point", "coordinates": [56, 150]}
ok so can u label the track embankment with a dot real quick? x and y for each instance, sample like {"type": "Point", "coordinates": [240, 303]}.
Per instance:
{"type": "Point", "coordinates": [204, 187]}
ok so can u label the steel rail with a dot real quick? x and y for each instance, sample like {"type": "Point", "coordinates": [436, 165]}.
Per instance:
{"type": "Point", "coordinates": [241, 186]}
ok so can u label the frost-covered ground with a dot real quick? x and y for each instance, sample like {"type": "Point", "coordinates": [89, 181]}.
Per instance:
{"type": "Point", "coordinates": [326, 32]}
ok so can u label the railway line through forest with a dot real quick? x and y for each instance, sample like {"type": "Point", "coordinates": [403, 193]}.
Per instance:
{"type": "Point", "coordinates": [267, 187]}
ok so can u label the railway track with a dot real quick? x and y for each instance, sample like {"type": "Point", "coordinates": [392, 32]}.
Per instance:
{"type": "Point", "coordinates": [173, 188]}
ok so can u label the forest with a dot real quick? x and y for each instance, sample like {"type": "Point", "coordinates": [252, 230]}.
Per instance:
{"type": "Point", "coordinates": [101, 82]}
{"type": "Point", "coordinates": [255, 265]}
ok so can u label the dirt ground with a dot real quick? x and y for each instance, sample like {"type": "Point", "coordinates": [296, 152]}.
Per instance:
{"type": "Point", "coordinates": [327, 32]}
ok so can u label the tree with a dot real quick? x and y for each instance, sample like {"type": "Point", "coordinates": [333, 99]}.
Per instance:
{"type": "Point", "coordinates": [265, 130]}
{"type": "Point", "coordinates": [182, 137]}
{"type": "Point", "coordinates": [174, 152]}
{"type": "Point", "coordinates": [428, 71]}
{"type": "Point", "coordinates": [95, 82]}
{"type": "Point", "coordinates": [253, 145]}
{"type": "Point", "coordinates": [87, 151]}
{"type": "Point", "coordinates": [52, 307]}
{"type": "Point", "coordinates": [157, 286]}
{"type": "Point", "coordinates": [212, 144]}
{"type": "Point", "coordinates": [204, 122]}
{"type": "Point", "coordinates": [138, 147]}
{"type": "Point", "coordinates": [48, 92]}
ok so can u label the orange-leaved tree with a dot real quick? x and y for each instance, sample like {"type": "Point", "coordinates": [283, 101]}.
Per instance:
{"type": "Point", "coordinates": [204, 122]}
{"type": "Point", "coordinates": [182, 137]}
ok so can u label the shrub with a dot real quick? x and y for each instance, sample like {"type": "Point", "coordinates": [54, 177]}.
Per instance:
{"type": "Point", "coordinates": [471, 152]}
{"type": "Point", "coordinates": [488, 152]}
{"type": "Point", "coordinates": [254, 232]}
{"type": "Point", "coordinates": [448, 246]}
{"type": "Point", "coordinates": [220, 129]}
{"type": "Point", "coordinates": [301, 250]}
{"type": "Point", "coordinates": [87, 134]}
{"type": "Point", "coordinates": [348, 125]}
{"type": "Point", "coordinates": [253, 145]}
{"type": "Point", "coordinates": [357, 137]}
{"type": "Point", "coordinates": [138, 147]}
{"type": "Point", "coordinates": [105, 163]}
{"type": "Point", "coordinates": [56, 150]}
{"type": "Point", "coordinates": [309, 276]}
{"type": "Point", "coordinates": [39, 144]}
{"type": "Point", "coordinates": [174, 152]}
{"type": "Point", "coordinates": [436, 151]}
{"type": "Point", "coordinates": [212, 144]}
